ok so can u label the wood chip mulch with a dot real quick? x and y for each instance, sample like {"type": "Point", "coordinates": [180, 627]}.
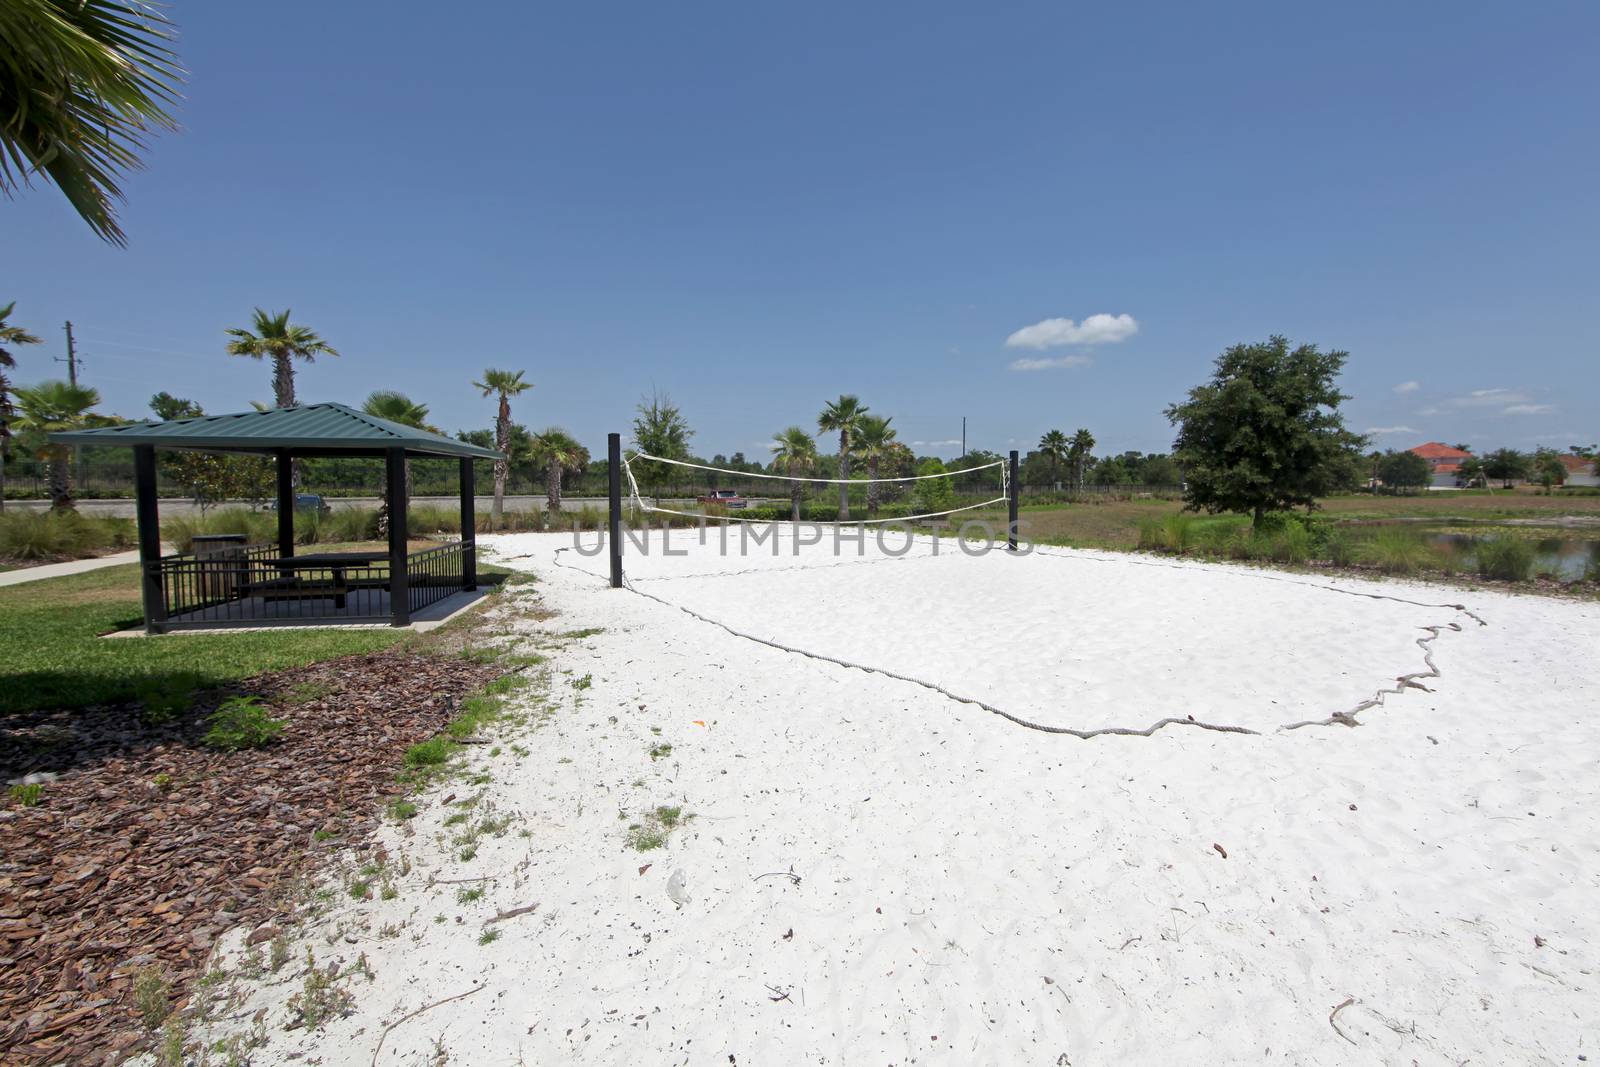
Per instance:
{"type": "Point", "coordinates": [117, 869]}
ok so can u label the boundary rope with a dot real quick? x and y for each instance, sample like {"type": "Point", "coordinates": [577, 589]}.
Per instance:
{"type": "Point", "coordinates": [1342, 718]}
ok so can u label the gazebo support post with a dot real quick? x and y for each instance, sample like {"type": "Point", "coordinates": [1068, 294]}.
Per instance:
{"type": "Point", "coordinates": [469, 526]}
{"type": "Point", "coordinates": [286, 502]}
{"type": "Point", "coordinates": [150, 583]}
{"type": "Point", "coordinates": [399, 575]}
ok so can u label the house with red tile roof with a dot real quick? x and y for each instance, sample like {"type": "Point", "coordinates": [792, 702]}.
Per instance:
{"type": "Point", "coordinates": [1444, 461]}
{"type": "Point", "coordinates": [1581, 470]}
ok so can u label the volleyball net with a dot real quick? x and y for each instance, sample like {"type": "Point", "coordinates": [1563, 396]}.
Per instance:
{"type": "Point", "coordinates": [799, 499]}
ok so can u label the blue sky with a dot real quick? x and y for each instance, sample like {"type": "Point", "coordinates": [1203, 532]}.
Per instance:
{"type": "Point", "coordinates": [754, 208]}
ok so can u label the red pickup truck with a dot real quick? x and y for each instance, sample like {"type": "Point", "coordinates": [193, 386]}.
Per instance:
{"type": "Point", "coordinates": [724, 498]}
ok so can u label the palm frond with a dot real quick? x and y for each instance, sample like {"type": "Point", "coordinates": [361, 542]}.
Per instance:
{"type": "Point", "coordinates": [82, 82]}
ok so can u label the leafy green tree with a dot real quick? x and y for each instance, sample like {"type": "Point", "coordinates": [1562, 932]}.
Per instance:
{"type": "Point", "coordinates": [502, 384]}
{"type": "Point", "coordinates": [1159, 470]}
{"type": "Point", "coordinates": [1548, 468]}
{"type": "Point", "coordinates": [1507, 465]}
{"type": "Point", "coordinates": [874, 435]}
{"type": "Point", "coordinates": [1265, 433]}
{"type": "Point", "coordinates": [9, 335]}
{"type": "Point", "coordinates": [932, 495]}
{"type": "Point", "coordinates": [168, 407]}
{"type": "Point", "coordinates": [1471, 471]}
{"type": "Point", "coordinates": [1078, 455]}
{"type": "Point", "coordinates": [394, 407]}
{"type": "Point", "coordinates": [82, 82]}
{"type": "Point", "coordinates": [1112, 471]}
{"type": "Point", "coordinates": [844, 416]}
{"type": "Point", "coordinates": [50, 407]}
{"type": "Point", "coordinates": [795, 452]}
{"type": "Point", "coordinates": [283, 342]}
{"type": "Point", "coordinates": [557, 452]}
{"type": "Point", "coordinates": [1400, 471]}
{"type": "Point", "coordinates": [659, 429]}
{"type": "Point", "coordinates": [1053, 448]}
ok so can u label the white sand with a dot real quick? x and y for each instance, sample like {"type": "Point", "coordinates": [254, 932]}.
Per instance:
{"type": "Point", "coordinates": [972, 891]}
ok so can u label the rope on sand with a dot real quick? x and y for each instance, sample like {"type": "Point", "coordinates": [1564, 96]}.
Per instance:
{"type": "Point", "coordinates": [1339, 718]}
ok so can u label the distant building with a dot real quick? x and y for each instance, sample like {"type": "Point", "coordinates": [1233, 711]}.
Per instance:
{"type": "Point", "coordinates": [1580, 470]}
{"type": "Point", "coordinates": [1444, 461]}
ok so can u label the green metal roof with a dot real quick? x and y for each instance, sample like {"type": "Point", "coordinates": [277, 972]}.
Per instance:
{"type": "Point", "coordinates": [305, 428]}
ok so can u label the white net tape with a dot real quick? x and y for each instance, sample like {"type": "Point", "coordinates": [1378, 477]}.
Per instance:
{"type": "Point", "coordinates": [639, 500]}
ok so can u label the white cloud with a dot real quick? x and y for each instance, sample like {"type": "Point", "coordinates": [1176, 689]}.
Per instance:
{"type": "Point", "coordinates": [936, 444]}
{"type": "Point", "coordinates": [1529, 409]}
{"type": "Point", "coordinates": [1050, 364]}
{"type": "Point", "coordinates": [1384, 431]}
{"type": "Point", "coordinates": [1407, 387]}
{"type": "Point", "coordinates": [1095, 330]}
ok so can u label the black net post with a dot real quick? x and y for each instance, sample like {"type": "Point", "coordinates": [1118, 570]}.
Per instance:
{"type": "Point", "coordinates": [1012, 490]}
{"type": "Point", "coordinates": [614, 532]}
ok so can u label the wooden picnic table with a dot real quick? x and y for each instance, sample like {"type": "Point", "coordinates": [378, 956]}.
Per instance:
{"type": "Point", "coordinates": [290, 586]}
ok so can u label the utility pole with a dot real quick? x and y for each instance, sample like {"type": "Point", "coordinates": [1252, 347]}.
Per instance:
{"type": "Point", "coordinates": [72, 376]}
{"type": "Point", "coordinates": [963, 437]}
{"type": "Point", "coordinates": [72, 357]}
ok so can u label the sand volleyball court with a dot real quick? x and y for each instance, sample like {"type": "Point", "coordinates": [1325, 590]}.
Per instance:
{"type": "Point", "coordinates": [863, 870]}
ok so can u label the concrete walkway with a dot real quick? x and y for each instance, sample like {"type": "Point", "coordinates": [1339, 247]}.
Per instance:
{"type": "Point", "coordinates": [57, 570]}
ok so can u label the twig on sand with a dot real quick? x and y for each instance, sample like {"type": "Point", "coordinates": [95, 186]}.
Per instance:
{"type": "Point", "coordinates": [789, 874]}
{"type": "Point", "coordinates": [1131, 940]}
{"type": "Point", "coordinates": [778, 995]}
{"type": "Point", "coordinates": [513, 913]}
{"type": "Point", "coordinates": [1334, 1015]}
{"type": "Point", "coordinates": [414, 1014]}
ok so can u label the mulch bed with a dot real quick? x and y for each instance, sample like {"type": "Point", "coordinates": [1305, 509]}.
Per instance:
{"type": "Point", "coordinates": [111, 872]}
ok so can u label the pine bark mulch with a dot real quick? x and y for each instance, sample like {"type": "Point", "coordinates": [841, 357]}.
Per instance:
{"type": "Point", "coordinates": [152, 844]}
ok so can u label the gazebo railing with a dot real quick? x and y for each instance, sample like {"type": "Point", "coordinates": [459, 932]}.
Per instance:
{"type": "Point", "coordinates": [251, 585]}
{"type": "Point", "coordinates": [435, 573]}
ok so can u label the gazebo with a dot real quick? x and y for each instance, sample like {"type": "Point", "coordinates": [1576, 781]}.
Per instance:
{"type": "Point", "coordinates": [230, 584]}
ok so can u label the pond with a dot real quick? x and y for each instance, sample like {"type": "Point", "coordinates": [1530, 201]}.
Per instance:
{"type": "Point", "coordinates": [1569, 558]}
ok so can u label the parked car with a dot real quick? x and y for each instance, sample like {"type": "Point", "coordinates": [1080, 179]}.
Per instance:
{"type": "Point", "coordinates": [305, 502]}
{"type": "Point", "coordinates": [725, 498]}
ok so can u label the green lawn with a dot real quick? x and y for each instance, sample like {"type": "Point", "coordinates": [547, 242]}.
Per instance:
{"type": "Point", "coordinates": [51, 654]}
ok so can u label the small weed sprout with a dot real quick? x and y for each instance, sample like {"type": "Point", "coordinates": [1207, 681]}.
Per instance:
{"type": "Point", "coordinates": [28, 795]}
{"type": "Point", "coordinates": [488, 937]}
{"type": "Point", "coordinates": [241, 722]}
{"type": "Point", "coordinates": [468, 896]}
{"type": "Point", "coordinates": [280, 953]}
{"type": "Point", "coordinates": [152, 996]}
{"type": "Point", "coordinates": [401, 810]}
{"type": "Point", "coordinates": [320, 997]}
{"type": "Point", "coordinates": [583, 683]}
{"type": "Point", "coordinates": [661, 751]}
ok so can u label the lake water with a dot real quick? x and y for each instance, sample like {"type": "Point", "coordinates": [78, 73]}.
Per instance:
{"type": "Point", "coordinates": [1569, 557]}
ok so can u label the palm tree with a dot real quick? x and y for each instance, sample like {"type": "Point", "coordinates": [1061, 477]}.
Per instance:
{"type": "Point", "coordinates": [9, 335]}
{"type": "Point", "coordinates": [81, 84]}
{"type": "Point", "coordinates": [395, 407]}
{"type": "Point", "coordinates": [1053, 447]}
{"type": "Point", "coordinates": [843, 415]}
{"type": "Point", "coordinates": [796, 452]}
{"type": "Point", "coordinates": [1078, 451]}
{"type": "Point", "coordinates": [277, 338]}
{"type": "Point", "coordinates": [50, 407]}
{"type": "Point", "coordinates": [874, 435]}
{"type": "Point", "coordinates": [506, 384]}
{"type": "Point", "coordinates": [557, 452]}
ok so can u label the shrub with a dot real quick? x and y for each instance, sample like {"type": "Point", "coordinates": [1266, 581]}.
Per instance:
{"type": "Point", "coordinates": [1397, 551]}
{"type": "Point", "coordinates": [1339, 548]}
{"type": "Point", "coordinates": [241, 722]}
{"type": "Point", "coordinates": [1506, 558]}
{"type": "Point", "coordinates": [258, 527]}
{"type": "Point", "coordinates": [164, 701]}
{"type": "Point", "coordinates": [31, 535]}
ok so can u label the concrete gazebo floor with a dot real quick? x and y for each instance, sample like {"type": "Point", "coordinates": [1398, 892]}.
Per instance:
{"type": "Point", "coordinates": [429, 618]}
